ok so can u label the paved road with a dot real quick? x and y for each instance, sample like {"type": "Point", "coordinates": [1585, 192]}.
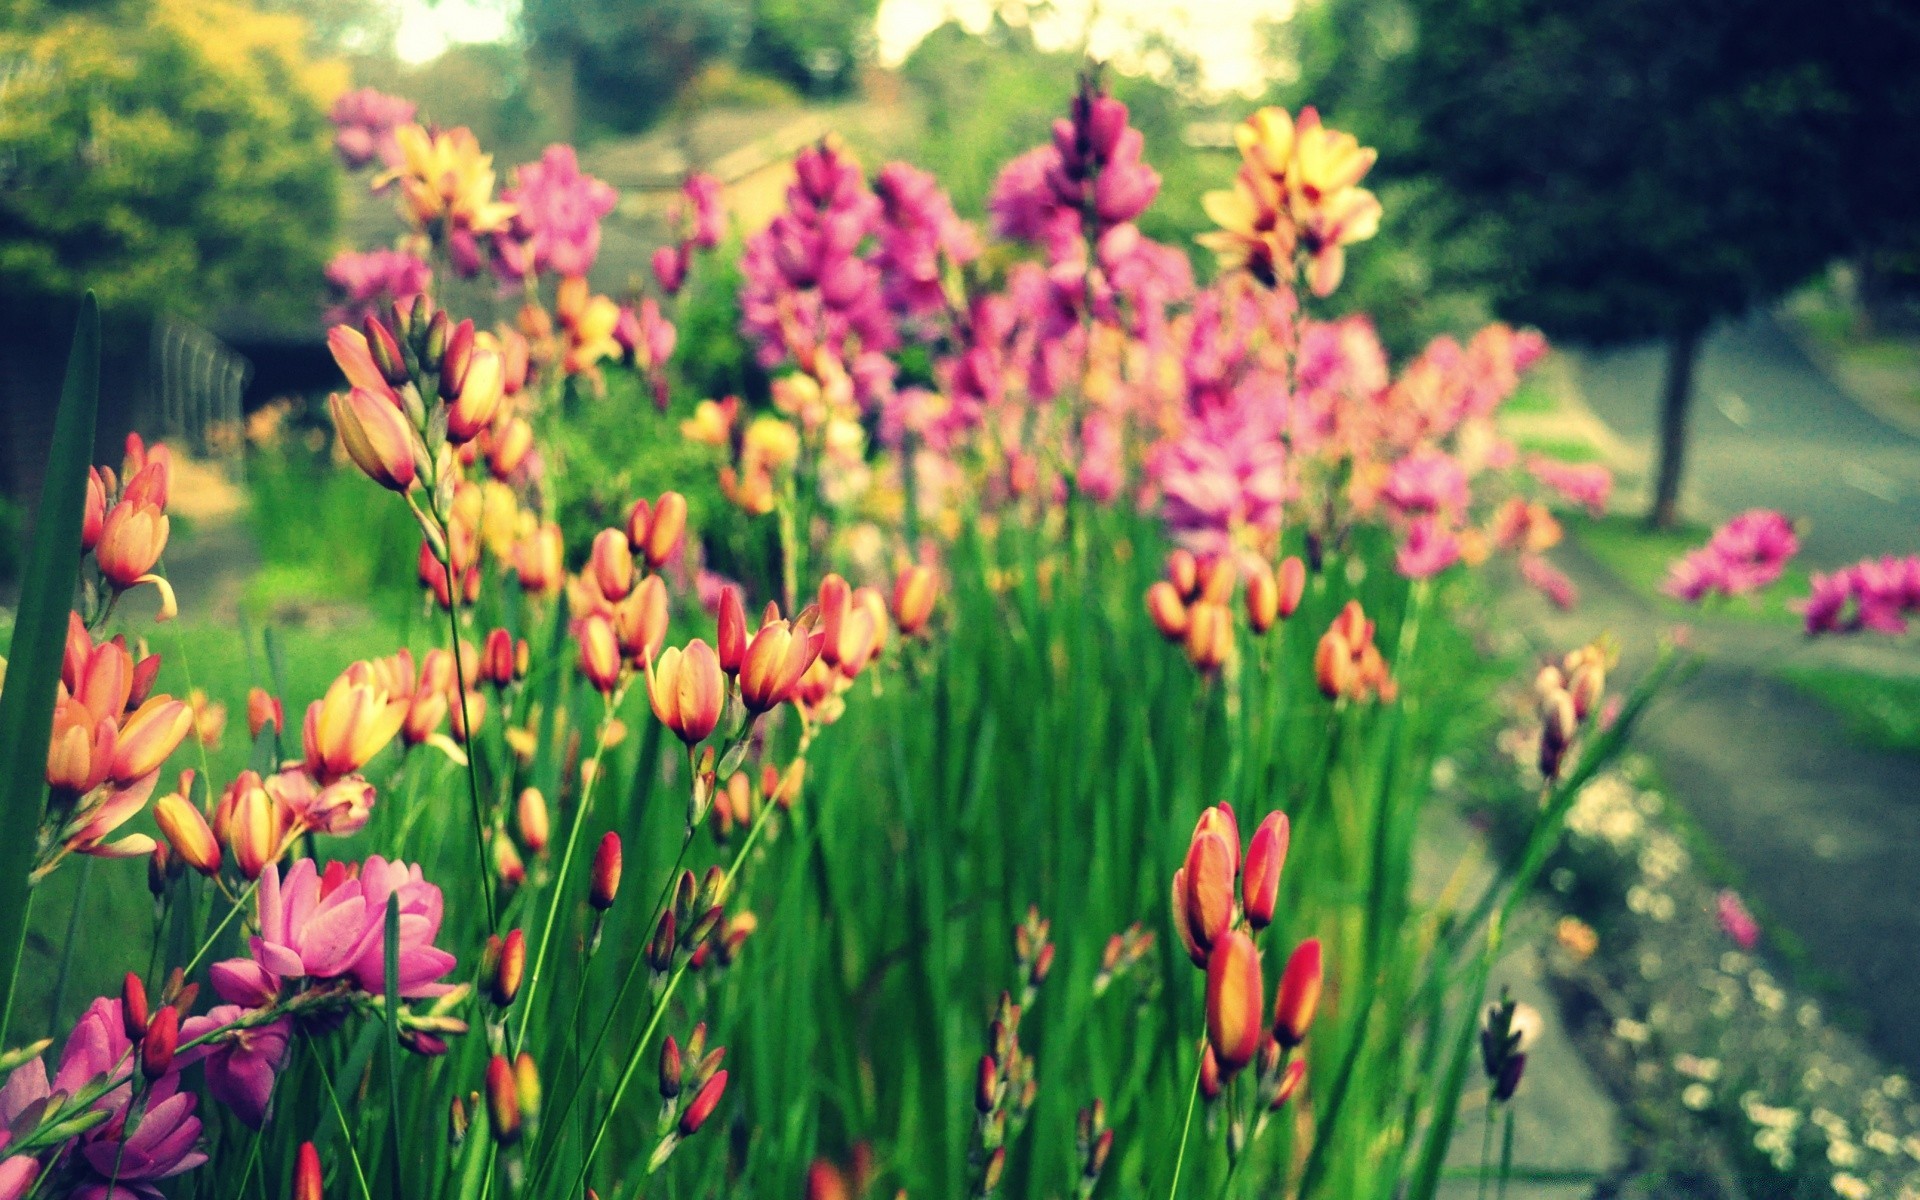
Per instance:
{"type": "Point", "coordinates": [1770, 429]}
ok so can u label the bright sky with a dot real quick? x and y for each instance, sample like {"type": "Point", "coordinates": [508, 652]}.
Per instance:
{"type": "Point", "coordinates": [1223, 33]}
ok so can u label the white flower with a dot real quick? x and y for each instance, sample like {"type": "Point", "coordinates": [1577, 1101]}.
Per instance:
{"type": "Point", "coordinates": [1851, 1187]}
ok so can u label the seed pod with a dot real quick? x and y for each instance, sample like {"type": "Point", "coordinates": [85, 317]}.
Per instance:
{"type": "Point", "coordinates": [703, 1104]}
{"type": "Point", "coordinates": [606, 873]}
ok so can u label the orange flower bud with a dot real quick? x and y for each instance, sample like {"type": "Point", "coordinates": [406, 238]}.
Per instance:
{"type": "Point", "coordinates": [1352, 624]}
{"type": "Point", "coordinates": [1220, 819]}
{"type": "Point", "coordinates": [256, 833]}
{"type": "Point", "coordinates": [1183, 572]}
{"type": "Point", "coordinates": [836, 600]}
{"type": "Point", "coordinates": [134, 1013]}
{"type": "Point", "coordinates": [776, 658]}
{"type": "Point", "coordinates": [80, 753]}
{"type": "Point", "coordinates": [499, 659]}
{"type": "Point", "coordinates": [914, 591]}
{"type": "Point", "coordinates": [1260, 876]}
{"type": "Point", "coordinates": [1209, 898]}
{"type": "Point", "coordinates": [859, 639]}
{"type": "Point", "coordinates": [1209, 635]}
{"type": "Point", "coordinates": [599, 653]}
{"type": "Point", "coordinates": [1333, 665]}
{"type": "Point", "coordinates": [611, 564]}
{"type": "Point", "coordinates": [732, 631]}
{"type": "Point", "coordinates": [876, 607]}
{"type": "Point", "coordinates": [1299, 996]}
{"type": "Point", "coordinates": [350, 724]}
{"type": "Point", "coordinates": [509, 968]}
{"type": "Point", "coordinates": [503, 1101]}
{"type": "Point", "coordinates": [540, 561]}
{"type": "Point", "coordinates": [1210, 1084]}
{"type": "Point", "coordinates": [188, 833]}
{"type": "Point", "coordinates": [672, 1068]}
{"type": "Point", "coordinates": [1168, 610]}
{"type": "Point", "coordinates": [1182, 922]}
{"type": "Point", "coordinates": [687, 690]}
{"type": "Point", "coordinates": [163, 1037]}
{"type": "Point", "coordinates": [376, 437]}
{"type": "Point", "coordinates": [986, 1087]}
{"type": "Point", "coordinates": [1290, 1080]}
{"type": "Point", "coordinates": [1263, 598]}
{"type": "Point", "coordinates": [665, 529]}
{"type": "Point", "coordinates": [147, 737]}
{"type": "Point", "coordinates": [384, 351]}
{"type": "Point", "coordinates": [1235, 1004]}
{"type": "Point", "coordinates": [512, 442]}
{"type": "Point", "coordinates": [307, 1182]}
{"type": "Point", "coordinates": [531, 812]}
{"type": "Point", "coordinates": [456, 361]}
{"type": "Point", "coordinates": [1293, 584]}
{"type": "Point", "coordinates": [131, 541]}
{"type": "Point", "coordinates": [473, 410]}
{"type": "Point", "coordinates": [606, 873]}
{"type": "Point", "coordinates": [826, 1182]}
{"type": "Point", "coordinates": [703, 1104]}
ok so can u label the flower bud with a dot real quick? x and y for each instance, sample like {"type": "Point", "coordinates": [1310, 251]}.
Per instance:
{"type": "Point", "coordinates": [1293, 585]}
{"type": "Point", "coordinates": [776, 658]}
{"type": "Point", "coordinates": [384, 351]}
{"type": "Point", "coordinates": [255, 840]}
{"type": "Point", "coordinates": [264, 709]}
{"type": "Point", "coordinates": [1209, 875]}
{"type": "Point", "coordinates": [1235, 1000]}
{"type": "Point", "coordinates": [503, 1101]}
{"type": "Point", "coordinates": [376, 437]}
{"type": "Point", "coordinates": [611, 564]}
{"type": "Point", "coordinates": [307, 1183]}
{"type": "Point", "coordinates": [688, 691]}
{"type": "Point", "coordinates": [163, 1036]}
{"type": "Point", "coordinates": [660, 950]}
{"type": "Point", "coordinates": [134, 1013]}
{"type": "Point", "coordinates": [187, 833]}
{"type": "Point", "coordinates": [995, 1169]}
{"type": "Point", "coordinates": [526, 1084]}
{"type": "Point", "coordinates": [148, 737]}
{"type": "Point", "coordinates": [1290, 1079]}
{"type": "Point", "coordinates": [1168, 610]}
{"type": "Point", "coordinates": [599, 653]}
{"type": "Point", "coordinates": [665, 529]}
{"type": "Point", "coordinates": [914, 591]}
{"type": "Point", "coordinates": [1333, 666]}
{"type": "Point", "coordinates": [703, 1104]}
{"type": "Point", "coordinates": [510, 968]}
{"type": "Point", "coordinates": [640, 620]}
{"type": "Point", "coordinates": [497, 658]}
{"type": "Point", "coordinates": [530, 812]}
{"type": "Point", "coordinates": [606, 873]}
{"type": "Point", "coordinates": [731, 637]}
{"type": "Point", "coordinates": [1263, 599]}
{"type": "Point", "coordinates": [455, 362]}
{"type": "Point", "coordinates": [1260, 874]}
{"type": "Point", "coordinates": [671, 1067]}
{"type": "Point", "coordinates": [1183, 572]}
{"type": "Point", "coordinates": [94, 516]}
{"type": "Point", "coordinates": [836, 601]}
{"type": "Point", "coordinates": [1209, 635]}
{"type": "Point", "coordinates": [1299, 995]}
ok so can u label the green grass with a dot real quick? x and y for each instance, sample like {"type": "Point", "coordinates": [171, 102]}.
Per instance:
{"type": "Point", "coordinates": [1570, 450]}
{"type": "Point", "coordinates": [1879, 710]}
{"type": "Point", "coordinates": [1531, 400]}
{"type": "Point", "coordinates": [1639, 557]}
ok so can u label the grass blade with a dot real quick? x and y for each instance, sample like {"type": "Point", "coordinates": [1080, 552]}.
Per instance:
{"type": "Point", "coordinates": [39, 637]}
{"type": "Point", "coordinates": [393, 1034]}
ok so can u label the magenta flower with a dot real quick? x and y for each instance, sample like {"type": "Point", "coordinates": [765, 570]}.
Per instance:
{"type": "Point", "coordinates": [1547, 579]}
{"type": "Point", "coordinates": [556, 225]}
{"type": "Point", "coordinates": [1225, 474]}
{"type": "Point", "coordinates": [364, 122]}
{"type": "Point", "coordinates": [333, 926]}
{"type": "Point", "coordinates": [421, 907]}
{"type": "Point", "coordinates": [1873, 594]}
{"type": "Point", "coordinates": [701, 193]}
{"type": "Point", "coordinates": [1426, 481]}
{"type": "Point", "coordinates": [367, 284]}
{"type": "Point", "coordinates": [1025, 208]}
{"type": "Point", "coordinates": [918, 234]}
{"type": "Point", "coordinates": [1735, 921]}
{"type": "Point", "coordinates": [340, 809]}
{"type": "Point", "coordinates": [1428, 549]}
{"type": "Point", "coordinates": [163, 1142]}
{"type": "Point", "coordinates": [17, 1175]}
{"type": "Point", "coordinates": [1092, 166]}
{"type": "Point", "coordinates": [97, 1047]}
{"type": "Point", "coordinates": [242, 1066]}
{"type": "Point", "coordinates": [1589, 485]}
{"type": "Point", "coordinates": [670, 265]}
{"type": "Point", "coordinates": [1744, 555]}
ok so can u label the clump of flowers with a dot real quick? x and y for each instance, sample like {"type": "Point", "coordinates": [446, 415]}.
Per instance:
{"type": "Point", "coordinates": [367, 284]}
{"type": "Point", "coordinates": [364, 124]}
{"type": "Point", "coordinates": [555, 227]}
{"type": "Point", "coordinates": [1878, 594]}
{"type": "Point", "coordinates": [1744, 555]}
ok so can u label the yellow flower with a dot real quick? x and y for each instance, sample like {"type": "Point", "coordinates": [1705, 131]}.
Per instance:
{"type": "Point", "coordinates": [770, 445]}
{"type": "Point", "coordinates": [711, 423]}
{"type": "Point", "coordinates": [444, 176]}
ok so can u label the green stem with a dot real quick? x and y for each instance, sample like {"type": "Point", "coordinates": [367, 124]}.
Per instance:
{"type": "Point", "coordinates": [66, 951]}
{"type": "Point", "coordinates": [1506, 1153]}
{"type": "Point", "coordinates": [225, 921]}
{"type": "Point", "coordinates": [1486, 1151]}
{"type": "Point", "coordinates": [346, 1131]}
{"type": "Point", "coordinates": [13, 973]}
{"type": "Point", "coordinates": [473, 744]}
{"type": "Point", "coordinates": [1186, 1127]}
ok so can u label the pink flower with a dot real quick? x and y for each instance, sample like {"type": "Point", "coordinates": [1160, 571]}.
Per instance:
{"type": "Point", "coordinates": [556, 225]}
{"type": "Point", "coordinates": [1735, 921]}
{"type": "Point", "coordinates": [1876, 594]}
{"type": "Point", "coordinates": [312, 927]}
{"type": "Point", "coordinates": [1093, 165]}
{"type": "Point", "coordinates": [17, 1176]}
{"type": "Point", "coordinates": [1225, 474]}
{"type": "Point", "coordinates": [918, 234]}
{"type": "Point", "coordinates": [1426, 481]}
{"type": "Point", "coordinates": [364, 122]}
{"type": "Point", "coordinates": [670, 268]}
{"type": "Point", "coordinates": [1547, 579]}
{"type": "Point", "coordinates": [242, 1066]}
{"type": "Point", "coordinates": [1589, 485]}
{"type": "Point", "coordinates": [164, 1142]}
{"type": "Point", "coordinates": [366, 284]}
{"type": "Point", "coordinates": [1025, 208]}
{"type": "Point", "coordinates": [421, 905]}
{"type": "Point", "coordinates": [1428, 549]}
{"type": "Point", "coordinates": [702, 193]}
{"type": "Point", "coordinates": [340, 809]}
{"type": "Point", "coordinates": [1744, 555]}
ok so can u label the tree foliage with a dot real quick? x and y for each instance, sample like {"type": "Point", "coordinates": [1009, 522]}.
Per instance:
{"type": "Point", "coordinates": [629, 61]}
{"type": "Point", "coordinates": [171, 154]}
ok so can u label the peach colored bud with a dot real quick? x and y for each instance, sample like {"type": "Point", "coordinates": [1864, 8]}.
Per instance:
{"type": "Point", "coordinates": [131, 541]}
{"type": "Point", "coordinates": [307, 1183]}
{"type": "Point", "coordinates": [704, 1102]}
{"type": "Point", "coordinates": [1209, 635]}
{"type": "Point", "coordinates": [639, 520]}
{"type": "Point", "coordinates": [859, 639]}
{"type": "Point", "coordinates": [611, 564]}
{"type": "Point", "coordinates": [512, 442]}
{"type": "Point", "coordinates": [1235, 1004]}
{"type": "Point", "coordinates": [384, 351]}
{"type": "Point", "coordinates": [826, 1182]}
{"type": "Point", "coordinates": [776, 658]}
{"type": "Point", "coordinates": [1333, 665]}
{"type": "Point", "coordinates": [134, 1013]}
{"type": "Point", "coordinates": [1352, 623]}
{"type": "Point", "coordinates": [1182, 921]}
{"type": "Point", "coordinates": [914, 591]}
{"type": "Point", "coordinates": [153, 732]}
{"type": "Point", "coordinates": [1183, 572]}
{"type": "Point", "coordinates": [688, 690]}
{"type": "Point", "coordinates": [503, 1101]}
{"type": "Point", "coordinates": [1260, 876]}
{"type": "Point", "coordinates": [1168, 610]}
{"type": "Point", "coordinates": [1209, 898]}
{"type": "Point", "coordinates": [256, 832]}
{"type": "Point", "coordinates": [672, 1068]}
{"type": "Point", "coordinates": [599, 653]}
{"type": "Point", "coordinates": [540, 561]}
{"type": "Point", "coordinates": [376, 437]}
{"type": "Point", "coordinates": [144, 673]}
{"type": "Point", "coordinates": [1210, 1084]}
{"type": "Point", "coordinates": [731, 637]}
{"type": "Point", "coordinates": [1293, 584]}
{"type": "Point", "coordinates": [466, 715]}
{"type": "Point", "coordinates": [473, 411]}
{"type": "Point", "coordinates": [531, 812]}
{"type": "Point", "coordinates": [509, 969]}
{"type": "Point", "coordinates": [80, 752]}
{"type": "Point", "coordinates": [1299, 995]}
{"type": "Point", "coordinates": [641, 619]}
{"type": "Point", "coordinates": [188, 833]}
{"type": "Point", "coordinates": [836, 601]}
{"type": "Point", "coordinates": [499, 659]}
{"type": "Point", "coordinates": [163, 1037]}
{"type": "Point", "coordinates": [1217, 575]}
{"type": "Point", "coordinates": [876, 607]}
{"type": "Point", "coordinates": [1263, 599]}
{"type": "Point", "coordinates": [455, 362]}
{"type": "Point", "coordinates": [605, 885]}
{"type": "Point", "coordinates": [1219, 819]}
{"type": "Point", "coordinates": [665, 529]}
{"type": "Point", "coordinates": [263, 710]}
{"type": "Point", "coordinates": [95, 515]}
{"type": "Point", "coordinates": [425, 712]}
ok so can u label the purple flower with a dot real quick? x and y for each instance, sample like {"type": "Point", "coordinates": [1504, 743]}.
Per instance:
{"type": "Point", "coordinates": [1547, 579]}
{"type": "Point", "coordinates": [1428, 549]}
{"type": "Point", "coordinates": [1092, 167]}
{"type": "Point", "coordinates": [1744, 555]}
{"type": "Point", "coordinates": [163, 1142]}
{"type": "Point", "coordinates": [1224, 474]}
{"type": "Point", "coordinates": [1026, 209]}
{"type": "Point", "coordinates": [1586, 484]}
{"type": "Point", "coordinates": [1876, 594]}
{"type": "Point", "coordinates": [366, 284]}
{"type": "Point", "coordinates": [1735, 921]}
{"type": "Point", "coordinates": [918, 234]}
{"type": "Point", "coordinates": [242, 1066]}
{"type": "Point", "coordinates": [333, 926]}
{"type": "Point", "coordinates": [364, 122]}
{"type": "Point", "coordinates": [701, 192]}
{"type": "Point", "coordinates": [1426, 481]}
{"type": "Point", "coordinates": [670, 268]}
{"type": "Point", "coordinates": [556, 225]}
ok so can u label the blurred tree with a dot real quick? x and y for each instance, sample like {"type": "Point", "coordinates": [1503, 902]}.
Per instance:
{"type": "Point", "coordinates": [1649, 165]}
{"type": "Point", "coordinates": [619, 64]}
{"type": "Point", "coordinates": [815, 45]}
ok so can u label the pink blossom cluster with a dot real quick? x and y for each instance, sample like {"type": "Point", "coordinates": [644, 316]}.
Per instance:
{"type": "Point", "coordinates": [810, 287]}
{"type": "Point", "coordinates": [701, 218]}
{"type": "Point", "coordinates": [140, 1143]}
{"type": "Point", "coordinates": [1735, 920]}
{"type": "Point", "coordinates": [364, 122]}
{"type": "Point", "coordinates": [1744, 555]}
{"type": "Point", "coordinates": [1879, 594]}
{"type": "Point", "coordinates": [556, 223]}
{"type": "Point", "coordinates": [918, 234]}
{"type": "Point", "coordinates": [646, 341]}
{"type": "Point", "coordinates": [1092, 170]}
{"type": "Point", "coordinates": [1588, 485]}
{"type": "Point", "coordinates": [370, 283]}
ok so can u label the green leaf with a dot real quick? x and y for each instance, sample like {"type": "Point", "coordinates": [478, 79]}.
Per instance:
{"type": "Point", "coordinates": [393, 1035]}
{"type": "Point", "coordinates": [39, 639]}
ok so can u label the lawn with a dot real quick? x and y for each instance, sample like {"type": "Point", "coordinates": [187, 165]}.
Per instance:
{"type": "Point", "coordinates": [1639, 557]}
{"type": "Point", "coordinates": [1879, 710]}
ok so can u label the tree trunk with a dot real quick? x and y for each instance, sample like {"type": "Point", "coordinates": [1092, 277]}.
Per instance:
{"type": "Point", "coordinates": [1683, 347]}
